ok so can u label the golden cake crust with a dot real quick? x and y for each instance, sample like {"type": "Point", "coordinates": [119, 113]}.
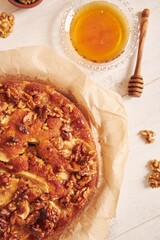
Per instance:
{"type": "Point", "coordinates": [48, 161]}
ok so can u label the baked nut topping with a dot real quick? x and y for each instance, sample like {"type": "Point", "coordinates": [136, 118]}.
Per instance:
{"type": "Point", "coordinates": [27, 1]}
{"type": "Point", "coordinates": [48, 161]}
{"type": "Point", "coordinates": [154, 178]}
{"type": "Point", "coordinates": [148, 135]}
{"type": "Point", "coordinates": [6, 24]}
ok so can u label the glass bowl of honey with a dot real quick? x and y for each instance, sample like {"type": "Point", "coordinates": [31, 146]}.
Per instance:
{"type": "Point", "coordinates": [100, 34]}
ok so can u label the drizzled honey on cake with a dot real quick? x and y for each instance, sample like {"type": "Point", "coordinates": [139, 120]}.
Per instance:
{"type": "Point", "coordinates": [48, 161]}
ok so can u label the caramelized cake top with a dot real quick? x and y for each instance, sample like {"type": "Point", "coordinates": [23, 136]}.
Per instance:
{"type": "Point", "coordinates": [48, 161]}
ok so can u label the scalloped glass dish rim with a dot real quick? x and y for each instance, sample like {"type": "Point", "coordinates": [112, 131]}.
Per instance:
{"type": "Point", "coordinates": [127, 10]}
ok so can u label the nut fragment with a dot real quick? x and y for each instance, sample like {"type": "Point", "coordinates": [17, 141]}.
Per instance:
{"type": "Point", "coordinates": [27, 1]}
{"type": "Point", "coordinates": [6, 24]}
{"type": "Point", "coordinates": [3, 226]}
{"type": "Point", "coordinates": [154, 178]}
{"type": "Point", "coordinates": [148, 135]}
{"type": "Point", "coordinates": [155, 165]}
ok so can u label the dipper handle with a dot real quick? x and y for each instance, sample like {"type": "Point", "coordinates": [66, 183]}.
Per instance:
{"type": "Point", "coordinates": [135, 87]}
{"type": "Point", "coordinates": [143, 31]}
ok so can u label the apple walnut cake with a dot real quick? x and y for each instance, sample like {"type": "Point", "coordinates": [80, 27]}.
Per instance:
{"type": "Point", "coordinates": [48, 161]}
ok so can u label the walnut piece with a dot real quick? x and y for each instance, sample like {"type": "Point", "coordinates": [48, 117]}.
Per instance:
{"type": "Point", "coordinates": [6, 24]}
{"type": "Point", "coordinates": [154, 178]}
{"type": "Point", "coordinates": [27, 1]}
{"type": "Point", "coordinates": [3, 226]}
{"type": "Point", "coordinates": [148, 135]}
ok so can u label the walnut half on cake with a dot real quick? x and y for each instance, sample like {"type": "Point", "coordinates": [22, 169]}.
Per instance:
{"type": "Point", "coordinates": [48, 161]}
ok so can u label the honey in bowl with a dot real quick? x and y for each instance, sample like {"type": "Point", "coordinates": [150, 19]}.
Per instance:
{"type": "Point", "coordinates": [99, 31]}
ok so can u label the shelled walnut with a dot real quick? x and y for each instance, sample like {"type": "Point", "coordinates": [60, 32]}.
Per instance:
{"type": "Point", "coordinates": [27, 1]}
{"type": "Point", "coordinates": [148, 135]}
{"type": "Point", "coordinates": [6, 24]}
{"type": "Point", "coordinates": [154, 178]}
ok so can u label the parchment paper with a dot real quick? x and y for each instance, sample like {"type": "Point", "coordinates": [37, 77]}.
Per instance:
{"type": "Point", "coordinates": [107, 118]}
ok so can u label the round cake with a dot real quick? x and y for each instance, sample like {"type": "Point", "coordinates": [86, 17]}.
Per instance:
{"type": "Point", "coordinates": [48, 161]}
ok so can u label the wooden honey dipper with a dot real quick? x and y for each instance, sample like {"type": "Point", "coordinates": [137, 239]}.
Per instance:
{"type": "Point", "coordinates": [135, 86]}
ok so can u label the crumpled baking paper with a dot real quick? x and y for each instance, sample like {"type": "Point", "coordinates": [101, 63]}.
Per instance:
{"type": "Point", "coordinates": [107, 117]}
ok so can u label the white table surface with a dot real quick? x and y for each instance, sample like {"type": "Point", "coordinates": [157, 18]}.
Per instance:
{"type": "Point", "coordinates": [138, 211]}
